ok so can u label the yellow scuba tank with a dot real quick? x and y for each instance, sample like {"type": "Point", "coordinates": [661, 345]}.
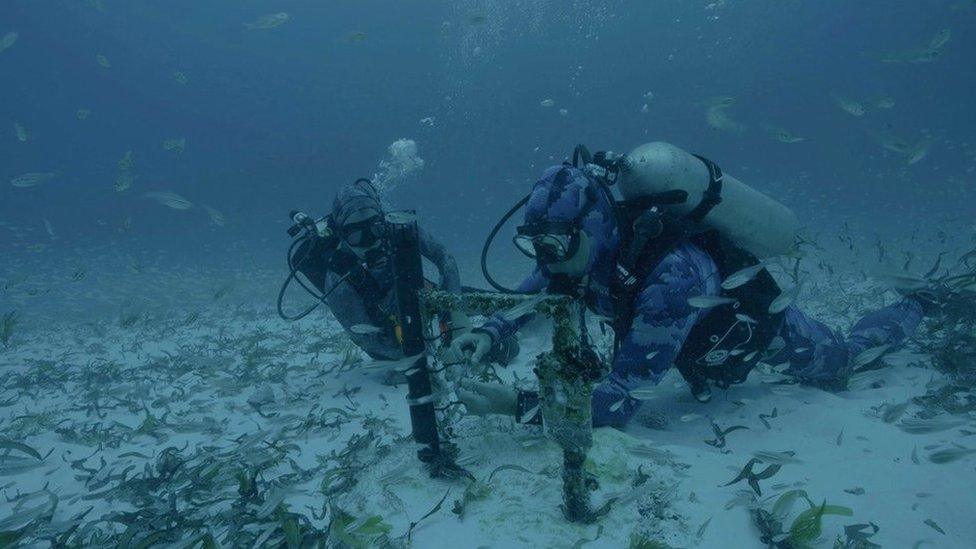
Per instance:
{"type": "Point", "coordinates": [745, 216]}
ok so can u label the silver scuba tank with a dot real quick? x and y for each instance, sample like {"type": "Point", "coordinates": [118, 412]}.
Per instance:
{"type": "Point", "coordinates": [747, 217]}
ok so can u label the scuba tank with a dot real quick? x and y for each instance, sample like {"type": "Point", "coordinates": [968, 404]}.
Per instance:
{"type": "Point", "coordinates": [746, 217]}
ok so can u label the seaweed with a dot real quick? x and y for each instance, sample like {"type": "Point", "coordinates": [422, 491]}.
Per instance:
{"type": "Point", "coordinates": [806, 527]}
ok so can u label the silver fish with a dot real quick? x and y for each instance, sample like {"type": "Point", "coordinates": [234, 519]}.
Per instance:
{"type": "Point", "coordinates": [849, 105]}
{"type": "Point", "coordinates": [918, 426]}
{"type": "Point", "coordinates": [400, 365]}
{"type": "Point", "coordinates": [868, 356]}
{"type": "Point", "coordinates": [32, 179]}
{"type": "Point", "coordinates": [401, 218]}
{"type": "Point", "coordinates": [776, 458]}
{"type": "Point", "coordinates": [949, 455]}
{"type": "Point", "coordinates": [645, 393]}
{"type": "Point", "coordinates": [525, 307]}
{"type": "Point", "coordinates": [784, 300]}
{"type": "Point", "coordinates": [741, 277]}
{"type": "Point", "coordinates": [8, 41]}
{"type": "Point", "coordinates": [365, 329]}
{"type": "Point", "coordinates": [216, 217]}
{"type": "Point", "coordinates": [170, 200]}
{"type": "Point", "coordinates": [268, 21]}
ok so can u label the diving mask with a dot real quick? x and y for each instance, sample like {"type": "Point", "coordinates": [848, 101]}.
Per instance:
{"type": "Point", "coordinates": [548, 242]}
{"type": "Point", "coordinates": [365, 233]}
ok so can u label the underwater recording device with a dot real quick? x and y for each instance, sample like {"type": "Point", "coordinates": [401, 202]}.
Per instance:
{"type": "Point", "coordinates": [319, 238]}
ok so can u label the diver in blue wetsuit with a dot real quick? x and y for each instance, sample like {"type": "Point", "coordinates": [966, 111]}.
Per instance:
{"type": "Point", "coordinates": [579, 238]}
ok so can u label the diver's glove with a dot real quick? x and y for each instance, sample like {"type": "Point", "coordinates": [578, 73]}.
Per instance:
{"type": "Point", "coordinates": [488, 398]}
{"type": "Point", "coordinates": [475, 343]}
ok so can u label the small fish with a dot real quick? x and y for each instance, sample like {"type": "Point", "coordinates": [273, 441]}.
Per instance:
{"type": "Point", "coordinates": [644, 450]}
{"type": "Point", "coordinates": [849, 105]}
{"type": "Point", "coordinates": [742, 276]}
{"type": "Point", "coordinates": [357, 37]}
{"type": "Point", "coordinates": [919, 152]}
{"type": "Point", "coordinates": [82, 114]}
{"type": "Point", "coordinates": [868, 356]}
{"type": "Point", "coordinates": [365, 329]}
{"type": "Point", "coordinates": [268, 21]}
{"type": "Point", "coordinates": [400, 365]}
{"type": "Point", "coordinates": [784, 300]}
{"type": "Point", "coordinates": [778, 458]}
{"type": "Point", "coordinates": [50, 229]}
{"type": "Point", "coordinates": [8, 41]}
{"type": "Point", "coordinates": [616, 405]}
{"type": "Point", "coordinates": [884, 102]}
{"type": "Point", "coordinates": [124, 181]}
{"type": "Point", "coordinates": [865, 380]}
{"type": "Point", "coordinates": [530, 415]}
{"type": "Point", "coordinates": [216, 216]}
{"type": "Point", "coordinates": [180, 77]}
{"type": "Point", "coordinates": [709, 301]}
{"type": "Point", "coordinates": [20, 133]}
{"type": "Point", "coordinates": [524, 308]}
{"type": "Point", "coordinates": [547, 103]}
{"type": "Point", "coordinates": [903, 358]}
{"type": "Point", "coordinates": [642, 394]}
{"type": "Point", "coordinates": [170, 200]}
{"type": "Point", "coordinates": [940, 39]}
{"type": "Point", "coordinates": [651, 355]}
{"type": "Point", "coordinates": [32, 179]}
{"type": "Point", "coordinates": [103, 61]}
{"type": "Point", "coordinates": [177, 145]}
{"type": "Point", "coordinates": [917, 426]}
{"type": "Point", "coordinates": [718, 119]}
{"type": "Point", "coordinates": [741, 317]}
{"type": "Point", "coordinates": [949, 455]}
{"type": "Point", "coordinates": [894, 412]}
{"type": "Point", "coordinates": [840, 438]}
{"type": "Point", "coordinates": [401, 218]}
{"type": "Point", "coordinates": [563, 112]}
{"type": "Point", "coordinates": [690, 417]}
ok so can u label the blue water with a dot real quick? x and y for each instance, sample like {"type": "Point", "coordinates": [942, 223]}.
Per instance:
{"type": "Point", "coordinates": [279, 118]}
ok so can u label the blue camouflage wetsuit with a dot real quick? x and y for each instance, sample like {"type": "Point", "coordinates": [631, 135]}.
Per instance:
{"type": "Point", "coordinates": [663, 319]}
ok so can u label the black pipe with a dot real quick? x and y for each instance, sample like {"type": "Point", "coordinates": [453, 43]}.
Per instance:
{"type": "Point", "coordinates": [408, 281]}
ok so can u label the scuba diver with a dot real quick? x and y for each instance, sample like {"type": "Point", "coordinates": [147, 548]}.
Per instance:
{"type": "Point", "coordinates": [346, 258]}
{"type": "Point", "coordinates": [679, 279]}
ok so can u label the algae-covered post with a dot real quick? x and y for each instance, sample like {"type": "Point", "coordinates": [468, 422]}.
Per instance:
{"type": "Point", "coordinates": [567, 373]}
{"type": "Point", "coordinates": [567, 376]}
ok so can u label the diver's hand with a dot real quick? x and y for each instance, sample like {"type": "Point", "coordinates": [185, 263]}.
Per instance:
{"type": "Point", "coordinates": [488, 398]}
{"type": "Point", "coordinates": [475, 344]}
